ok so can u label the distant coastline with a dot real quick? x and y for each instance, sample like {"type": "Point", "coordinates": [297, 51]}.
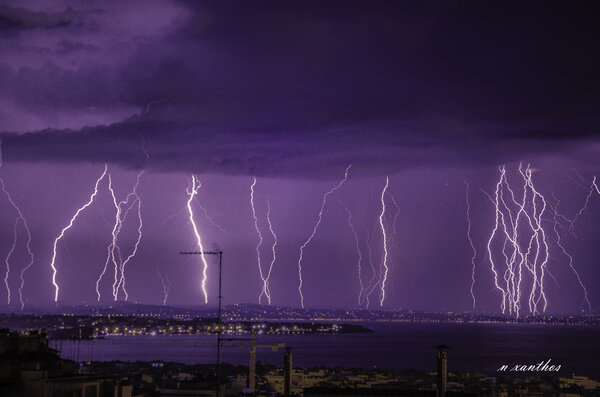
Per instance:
{"type": "Point", "coordinates": [278, 314]}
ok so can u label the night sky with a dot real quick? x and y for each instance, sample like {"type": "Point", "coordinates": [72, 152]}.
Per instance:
{"type": "Point", "coordinates": [429, 94]}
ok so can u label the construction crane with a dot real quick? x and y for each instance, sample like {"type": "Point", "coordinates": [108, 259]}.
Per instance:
{"type": "Point", "coordinates": [253, 346]}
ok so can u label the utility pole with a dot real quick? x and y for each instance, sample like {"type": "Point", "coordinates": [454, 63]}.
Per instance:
{"type": "Point", "coordinates": [252, 369]}
{"type": "Point", "coordinates": [220, 297]}
{"type": "Point", "coordinates": [442, 362]}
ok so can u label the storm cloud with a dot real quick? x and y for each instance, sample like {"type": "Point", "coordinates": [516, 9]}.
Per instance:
{"type": "Point", "coordinates": [275, 88]}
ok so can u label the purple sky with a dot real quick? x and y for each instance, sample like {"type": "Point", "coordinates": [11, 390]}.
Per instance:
{"type": "Point", "coordinates": [428, 93]}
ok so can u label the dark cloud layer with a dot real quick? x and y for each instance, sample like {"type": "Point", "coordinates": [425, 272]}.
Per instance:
{"type": "Point", "coordinates": [286, 88]}
{"type": "Point", "coordinates": [21, 18]}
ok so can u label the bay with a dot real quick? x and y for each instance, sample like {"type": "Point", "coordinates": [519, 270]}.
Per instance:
{"type": "Point", "coordinates": [473, 348]}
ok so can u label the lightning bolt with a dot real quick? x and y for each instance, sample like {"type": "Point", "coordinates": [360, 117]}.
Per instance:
{"type": "Point", "coordinates": [6, 261]}
{"type": "Point", "coordinates": [69, 225]}
{"type": "Point", "coordinates": [327, 194]}
{"type": "Point", "coordinates": [29, 264]}
{"type": "Point", "coordinates": [391, 196]}
{"type": "Point", "coordinates": [166, 284]}
{"type": "Point", "coordinates": [137, 200]}
{"type": "Point", "coordinates": [122, 209]}
{"type": "Point", "coordinates": [470, 241]}
{"type": "Point", "coordinates": [512, 216]}
{"type": "Point", "coordinates": [20, 217]}
{"type": "Point", "coordinates": [359, 264]}
{"type": "Point", "coordinates": [274, 256]}
{"type": "Point", "coordinates": [211, 220]}
{"type": "Point", "coordinates": [494, 231]}
{"type": "Point", "coordinates": [569, 256]}
{"type": "Point", "coordinates": [260, 241]}
{"type": "Point", "coordinates": [206, 215]}
{"type": "Point", "coordinates": [192, 192]}
{"type": "Point", "coordinates": [373, 282]}
{"type": "Point", "coordinates": [111, 247]}
{"type": "Point", "coordinates": [30, 253]}
{"type": "Point", "coordinates": [593, 187]}
{"type": "Point", "coordinates": [204, 211]}
{"type": "Point", "coordinates": [385, 248]}
{"type": "Point", "coordinates": [540, 236]}
{"type": "Point", "coordinates": [266, 290]}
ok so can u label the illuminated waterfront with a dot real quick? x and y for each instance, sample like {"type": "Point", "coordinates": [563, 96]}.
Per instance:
{"type": "Point", "coordinates": [474, 347]}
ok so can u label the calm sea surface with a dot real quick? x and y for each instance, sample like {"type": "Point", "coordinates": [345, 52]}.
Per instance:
{"type": "Point", "coordinates": [473, 347]}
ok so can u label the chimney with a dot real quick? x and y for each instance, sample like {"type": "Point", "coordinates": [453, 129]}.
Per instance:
{"type": "Point", "coordinates": [287, 372]}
